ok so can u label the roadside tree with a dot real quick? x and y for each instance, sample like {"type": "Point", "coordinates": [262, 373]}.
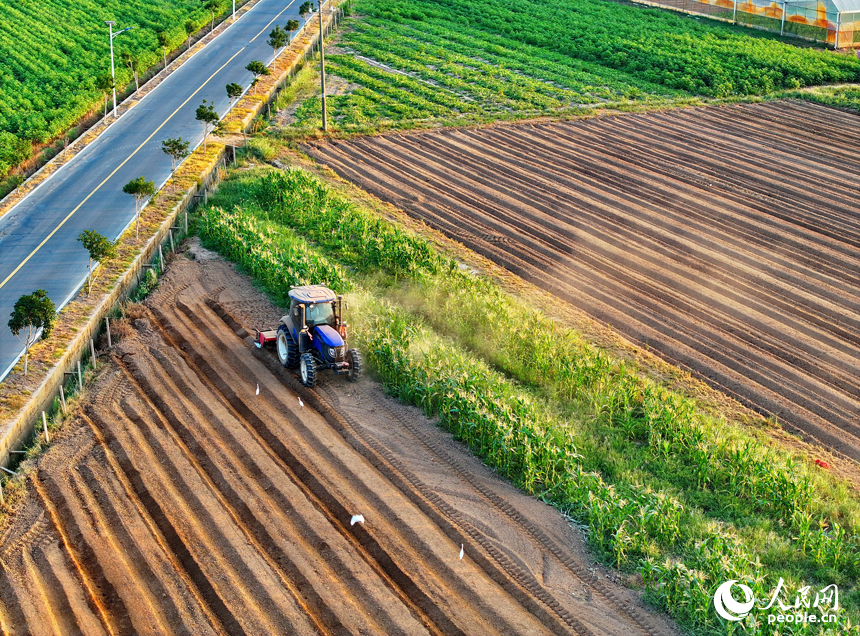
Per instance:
{"type": "Point", "coordinates": [101, 250]}
{"type": "Point", "coordinates": [277, 39]}
{"type": "Point", "coordinates": [141, 190]}
{"type": "Point", "coordinates": [304, 10]}
{"type": "Point", "coordinates": [133, 65]}
{"type": "Point", "coordinates": [31, 313]}
{"type": "Point", "coordinates": [164, 43]}
{"type": "Point", "coordinates": [214, 7]}
{"type": "Point", "coordinates": [257, 69]}
{"type": "Point", "coordinates": [207, 117]}
{"type": "Point", "coordinates": [189, 29]}
{"type": "Point", "coordinates": [292, 27]}
{"type": "Point", "coordinates": [234, 92]}
{"type": "Point", "coordinates": [177, 150]}
{"type": "Point", "coordinates": [104, 83]}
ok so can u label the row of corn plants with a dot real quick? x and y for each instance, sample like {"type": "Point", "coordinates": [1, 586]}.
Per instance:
{"type": "Point", "coordinates": [276, 258]}
{"type": "Point", "coordinates": [702, 506]}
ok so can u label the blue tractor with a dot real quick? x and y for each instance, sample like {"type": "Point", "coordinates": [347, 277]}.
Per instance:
{"type": "Point", "coordinates": [312, 336]}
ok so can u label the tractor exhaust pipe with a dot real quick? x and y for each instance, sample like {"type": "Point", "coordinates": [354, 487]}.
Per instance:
{"type": "Point", "coordinates": [304, 329]}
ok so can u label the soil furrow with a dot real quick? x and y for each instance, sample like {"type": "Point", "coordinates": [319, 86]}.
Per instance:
{"type": "Point", "coordinates": [639, 621]}
{"type": "Point", "coordinates": [265, 489]}
{"type": "Point", "coordinates": [222, 619]}
{"type": "Point", "coordinates": [252, 582]}
{"type": "Point", "coordinates": [649, 294]}
{"type": "Point", "coordinates": [757, 271]}
{"type": "Point", "coordinates": [316, 480]}
{"type": "Point", "coordinates": [103, 597]}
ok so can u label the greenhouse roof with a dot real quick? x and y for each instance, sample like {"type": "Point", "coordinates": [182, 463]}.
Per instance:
{"type": "Point", "coordinates": [839, 6]}
{"type": "Point", "coordinates": [846, 6]}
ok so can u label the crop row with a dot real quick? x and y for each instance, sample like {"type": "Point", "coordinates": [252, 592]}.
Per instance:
{"type": "Point", "coordinates": [687, 517]}
{"type": "Point", "coordinates": [657, 46]}
{"type": "Point", "coordinates": [275, 257]}
{"type": "Point", "coordinates": [549, 66]}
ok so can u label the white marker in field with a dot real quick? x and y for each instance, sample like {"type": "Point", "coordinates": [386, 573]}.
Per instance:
{"type": "Point", "coordinates": [258, 389]}
{"type": "Point", "coordinates": [356, 519]}
{"type": "Point", "coordinates": [301, 403]}
{"type": "Point", "coordinates": [461, 551]}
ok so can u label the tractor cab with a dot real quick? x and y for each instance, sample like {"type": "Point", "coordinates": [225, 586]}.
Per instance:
{"type": "Point", "coordinates": [312, 306]}
{"type": "Point", "coordinates": [313, 335]}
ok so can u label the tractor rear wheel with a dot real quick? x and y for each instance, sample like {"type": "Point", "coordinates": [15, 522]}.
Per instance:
{"type": "Point", "coordinates": [308, 369]}
{"type": "Point", "coordinates": [288, 350]}
{"type": "Point", "coordinates": [354, 359]}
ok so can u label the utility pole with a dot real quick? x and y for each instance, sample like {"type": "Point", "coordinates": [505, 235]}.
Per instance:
{"type": "Point", "coordinates": [234, 10]}
{"type": "Point", "coordinates": [322, 71]}
{"type": "Point", "coordinates": [110, 24]}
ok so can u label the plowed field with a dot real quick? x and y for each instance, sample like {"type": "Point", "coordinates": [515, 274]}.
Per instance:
{"type": "Point", "coordinates": [184, 501]}
{"type": "Point", "coordinates": [727, 240]}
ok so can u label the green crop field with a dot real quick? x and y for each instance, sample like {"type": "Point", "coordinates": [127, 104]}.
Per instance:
{"type": "Point", "coordinates": [52, 51]}
{"type": "Point", "coordinates": [684, 499]}
{"type": "Point", "coordinates": [434, 60]}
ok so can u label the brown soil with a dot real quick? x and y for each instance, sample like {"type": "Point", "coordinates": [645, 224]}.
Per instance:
{"type": "Point", "coordinates": [722, 239]}
{"type": "Point", "coordinates": [183, 501]}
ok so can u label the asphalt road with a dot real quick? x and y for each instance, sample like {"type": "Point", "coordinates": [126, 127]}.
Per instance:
{"type": "Point", "coordinates": [38, 238]}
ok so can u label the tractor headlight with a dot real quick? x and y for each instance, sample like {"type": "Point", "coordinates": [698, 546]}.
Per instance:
{"type": "Point", "coordinates": [332, 352]}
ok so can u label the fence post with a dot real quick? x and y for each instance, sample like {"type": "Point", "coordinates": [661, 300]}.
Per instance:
{"type": "Point", "coordinates": [161, 257]}
{"type": "Point", "coordinates": [172, 244]}
{"type": "Point", "coordinates": [2, 497]}
{"type": "Point", "coordinates": [80, 377]}
{"type": "Point", "coordinates": [186, 222]}
{"type": "Point", "coordinates": [93, 352]}
{"type": "Point", "coordinates": [107, 324]}
{"type": "Point", "coordinates": [45, 428]}
{"type": "Point", "coordinates": [735, 12]}
{"type": "Point", "coordinates": [63, 399]}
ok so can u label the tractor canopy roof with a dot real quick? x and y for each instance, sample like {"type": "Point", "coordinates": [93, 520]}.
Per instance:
{"type": "Point", "coordinates": [312, 294]}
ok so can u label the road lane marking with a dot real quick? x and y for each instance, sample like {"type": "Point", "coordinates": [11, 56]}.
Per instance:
{"type": "Point", "coordinates": [270, 23]}
{"type": "Point", "coordinates": [127, 159]}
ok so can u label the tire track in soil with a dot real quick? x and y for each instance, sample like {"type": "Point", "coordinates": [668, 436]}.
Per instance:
{"type": "Point", "coordinates": [497, 562]}
{"type": "Point", "coordinates": [290, 467]}
{"type": "Point", "coordinates": [179, 501]}
{"type": "Point", "coordinates": [638, 621]}
{"type": "Point", "coordinates": [745, 275]}
{"type": "Point", "coordinates": [384, 558]}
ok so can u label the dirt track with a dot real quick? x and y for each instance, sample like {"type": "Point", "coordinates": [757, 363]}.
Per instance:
{"type": "Point", "coordinates": [183, 502]}
{"type": "Point", "coordinates": [726, 240]}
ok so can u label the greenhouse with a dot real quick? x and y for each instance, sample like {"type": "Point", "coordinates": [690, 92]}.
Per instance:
{"type": "Point", "coordinates": [835, 22]}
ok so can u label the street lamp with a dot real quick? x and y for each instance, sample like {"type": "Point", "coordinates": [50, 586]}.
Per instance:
{"type": "Point", "coordinates": [110, 24]}
{"type": "Point", "coordinates": [322, 71]}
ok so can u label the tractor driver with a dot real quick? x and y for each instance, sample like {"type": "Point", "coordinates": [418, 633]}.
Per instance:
{"type": "Point", "coordinates": [319, 314]}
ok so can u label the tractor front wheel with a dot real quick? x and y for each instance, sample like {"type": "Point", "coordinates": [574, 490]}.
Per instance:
{"type": "Point", "coordinates": [288, 350]}
{"type": "Point", "coordinates": [354, 359]}
{"type": "Point", "coordinates": [308, 369]}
